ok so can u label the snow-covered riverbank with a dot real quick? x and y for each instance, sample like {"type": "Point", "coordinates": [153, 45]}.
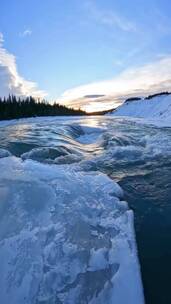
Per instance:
{"type": "Point", "coordinates": [156, 110]}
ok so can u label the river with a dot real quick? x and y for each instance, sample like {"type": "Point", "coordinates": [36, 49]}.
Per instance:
{"type": "Point", "coordinates": [135, 155]}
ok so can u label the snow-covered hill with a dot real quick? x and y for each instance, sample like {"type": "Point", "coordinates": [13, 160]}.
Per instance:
{"type": "Point", "coordinates": [157, 107]}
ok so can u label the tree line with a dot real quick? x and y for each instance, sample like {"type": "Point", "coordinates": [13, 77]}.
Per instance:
{"type": "Point", "coordinates": [157, 95]}
{"type": "Point", "coordinates": [12, 107]}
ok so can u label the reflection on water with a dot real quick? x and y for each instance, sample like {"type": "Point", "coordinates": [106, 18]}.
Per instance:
{"type": "Point", "coordinates": [137, 156]}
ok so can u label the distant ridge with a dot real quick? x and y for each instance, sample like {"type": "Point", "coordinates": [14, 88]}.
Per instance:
{"type": "Point", "coordinates": [102, 112]}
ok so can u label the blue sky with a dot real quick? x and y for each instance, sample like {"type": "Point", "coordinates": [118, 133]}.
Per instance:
{"type": "Point", "coordinates": [59, 45]}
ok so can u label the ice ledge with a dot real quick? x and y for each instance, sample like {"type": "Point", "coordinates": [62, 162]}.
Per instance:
{"type": "Point", "coordinates": [65, 237]}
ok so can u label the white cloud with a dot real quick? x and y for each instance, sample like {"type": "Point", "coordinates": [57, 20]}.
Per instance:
{"type": "Point", "coordinates": [1, 39]}
{"type": "Point", "coordinates": [27, 32]}
{"type": "Point", "coordinates": [10, 80]}
{"type": "Point", "coordinates": [110, 18]}
{"type": "Point", "coordinates": [139, 81]}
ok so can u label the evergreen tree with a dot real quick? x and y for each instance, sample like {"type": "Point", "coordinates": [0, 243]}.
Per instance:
{"type": "Point", "coordinates": [12, 107]}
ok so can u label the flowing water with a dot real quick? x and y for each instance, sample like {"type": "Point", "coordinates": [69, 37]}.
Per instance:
{"type": "Point", "coordinates": [135, 155]}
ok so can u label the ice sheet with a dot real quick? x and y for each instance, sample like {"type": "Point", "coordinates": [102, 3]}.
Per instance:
{"type": "Point", "coordinates": [65, 237]}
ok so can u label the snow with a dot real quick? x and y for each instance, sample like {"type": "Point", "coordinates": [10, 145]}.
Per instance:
{"type": "Point", "coordinates": [155, 111]}
{"type": "Point", "coordinates": [65, 236]}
